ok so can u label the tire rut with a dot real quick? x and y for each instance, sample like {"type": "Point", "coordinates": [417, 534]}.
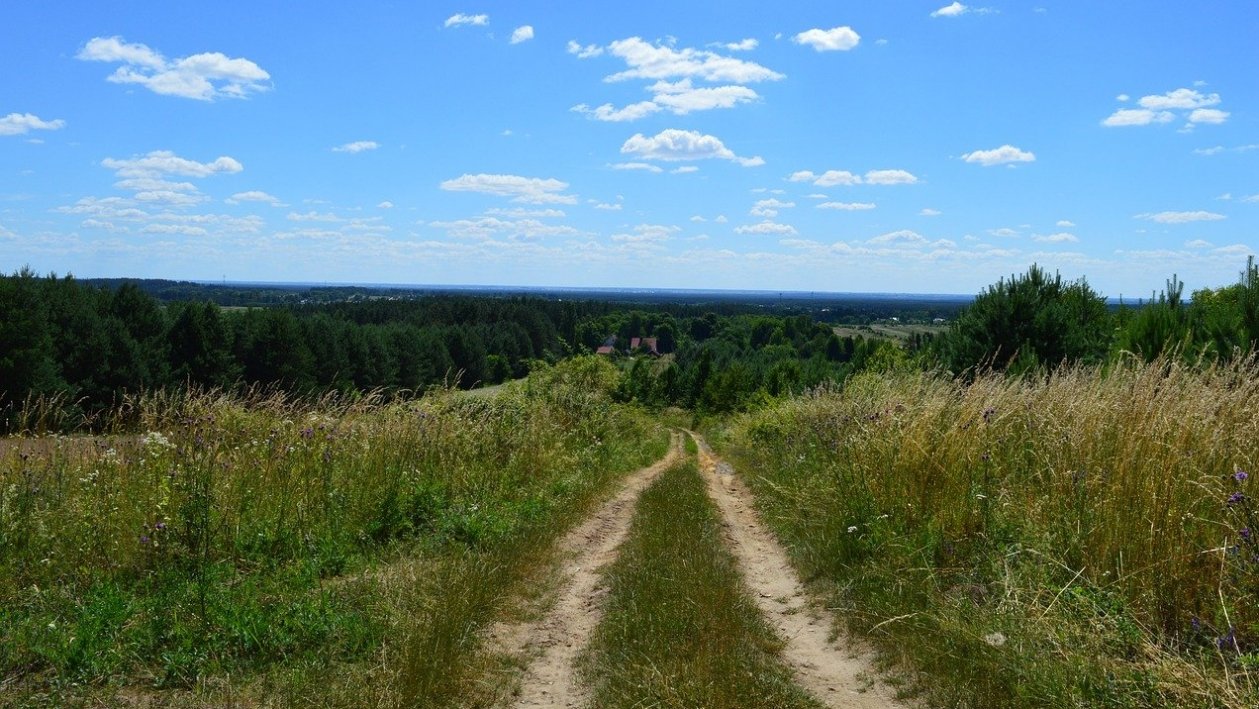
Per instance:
{"type": "Point", "coordinates": [836, 673]}
{"type": "Point", "coordinates": [552, 644]}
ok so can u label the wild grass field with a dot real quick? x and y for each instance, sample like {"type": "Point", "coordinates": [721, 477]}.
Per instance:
{"type": "Point", "coordinates": [329, 552]}
{"type": "Point", "coordinates": [1079, 538]}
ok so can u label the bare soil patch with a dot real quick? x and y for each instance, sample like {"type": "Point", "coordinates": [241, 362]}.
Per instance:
{"type": "Point", "coordinates": [551, 645]}
{"type": "Point", "coordinates": [831, 667]}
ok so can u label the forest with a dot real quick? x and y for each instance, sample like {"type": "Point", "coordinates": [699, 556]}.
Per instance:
{"type": "Point", "coordinates": [90, 344]}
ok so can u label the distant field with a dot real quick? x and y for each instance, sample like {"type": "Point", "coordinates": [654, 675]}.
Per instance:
{"type": "Point", "coordinates": [889, 331]}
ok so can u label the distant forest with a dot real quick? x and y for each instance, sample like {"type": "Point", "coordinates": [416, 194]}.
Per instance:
{"type": "Point", "coordinates": [91, 344]}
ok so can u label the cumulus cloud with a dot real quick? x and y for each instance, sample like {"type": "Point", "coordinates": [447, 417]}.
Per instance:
{"type": "Point", "coordinates": [654, 61]}
{"type": "Point", "coordinates": [254, 196]}
{"type": "Point", "coordinates": [999, 156]}
{"type": "Point", "coordinates": [682, 145]}
{"type": "Point", "coordinates": [19, 123]}
{"type": "Point", "coordinates": [646, 167]}
{"type": "Point", "coordinates": [956, 9]}
{"type": "Point", "coordinates": [765, 227]}
{"type": "Point", "coordinates": [832, 178]}
{"type": "Point", "coordinates": [1180, 217]}
{"type": "Point", "coordinates": [206, 76]}
{"type": "Point", "coordinates": [647, 234]}
{"type": "Point", "coordinates": [385, 205]}
{"type": "Point", "coordinates": [902, 236]}
{"type": "Point", "coordinates": [684, 169]}
{"type": "Point", "coordinates": [769, 207]}
{"type": "Point", "coordinates": [1137, 117]}
{"type": "Point", "coordinates": [744, 45]}
{"type": "Point", "coordinates": [929, 212]}
{"type": "Point", "coordinates": [836, 39]}
{"type": "Point", "coordinates": [586, 52]}
{"type": "Point", "coordinates": [847, 206]}
{"type": "Point", "coordinates": [460, 19]}
{"type": "Point", "coordinates": [523, 33]}
{"type": "Point", "coordinates": [1192, 104]}
{"type": "Point", "coordinates": [1065, 223]}
{"type": "Point", "coordinates": [608, 112]}
{"type": "Point", "coordinates": [1059, 238]}
{"type": "Point", "coordinates": [890, 177]}
{"type": "Point", "coordinates": [529, 190]}
{"type": "Point", "coordinates": [165, 162]}
{"type": "Point", "coordinates": [357, 146]}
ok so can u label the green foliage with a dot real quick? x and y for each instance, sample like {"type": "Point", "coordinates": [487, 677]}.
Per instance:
{"type": "Point", "coordinates": [1028, 321]}
{"type": "Point", "coordinates": [679, 630]}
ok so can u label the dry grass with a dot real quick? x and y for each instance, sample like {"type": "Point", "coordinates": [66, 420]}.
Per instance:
{"type": "Point", "coordinates": [1065, 541]}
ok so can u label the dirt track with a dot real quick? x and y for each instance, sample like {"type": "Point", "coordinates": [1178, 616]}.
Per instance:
{"type": "Point", "coordinates": [835, 673]}
{"type": "Point", "coordinates": [557, 639]}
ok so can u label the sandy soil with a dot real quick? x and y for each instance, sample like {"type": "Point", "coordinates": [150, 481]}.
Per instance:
{"type": "Point", "coordinates": [837, 673]}
{"type": "Point", "coordinates": [555, 641]}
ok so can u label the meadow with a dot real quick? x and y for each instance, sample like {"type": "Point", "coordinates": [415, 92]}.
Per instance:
{"type": "Point", "coordinates": [315, 552]}
{"type": "Point", "coordinates": [1084, 537]}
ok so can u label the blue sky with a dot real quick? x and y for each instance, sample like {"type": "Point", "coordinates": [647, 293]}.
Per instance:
{"type": "Point", "coordinates": [840, 146]}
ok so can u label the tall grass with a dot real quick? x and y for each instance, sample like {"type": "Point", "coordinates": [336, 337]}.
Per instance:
{"type": "Point", "coordinates": [236, 535]}
{"type": "Point", "coordinates": [1081, 539]}
{"type": "Point", "coordinates": [680, 630]}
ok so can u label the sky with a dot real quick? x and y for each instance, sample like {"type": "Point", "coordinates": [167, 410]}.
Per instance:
{"type": "Point", "coordinates": [909, 146]}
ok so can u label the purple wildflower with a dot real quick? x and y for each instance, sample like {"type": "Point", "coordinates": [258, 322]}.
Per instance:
{"type": "Point", "coordinates": [1245, 533]}
{"type": "Point", "coordinates": [1240, 476]}
{"type": "Point", "coordinates": [160, 526]}
{"type": "Point", "coordinates": [144, 539]}
{"type": "Point", "coordinates": [308, 432]}
{"type": "Point", "coordinates": [1236, 498]}
{"type": "Point", "coordinates": [1195, 624]}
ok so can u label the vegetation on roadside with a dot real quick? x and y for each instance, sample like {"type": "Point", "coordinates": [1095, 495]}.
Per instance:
{"type": "Point", "coordinates": [325, 552]}
{"type": "Point", "coordinates": [1082, 538]}
{"type": "Point", "coordinates": [679, 628]}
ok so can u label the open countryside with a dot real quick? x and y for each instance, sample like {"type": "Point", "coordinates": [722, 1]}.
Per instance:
{"type": "Point", "coordinates": [445, 356]}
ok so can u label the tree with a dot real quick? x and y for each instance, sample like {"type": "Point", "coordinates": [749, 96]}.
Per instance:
{"type": "Point", "coordinates": [1026, 321]}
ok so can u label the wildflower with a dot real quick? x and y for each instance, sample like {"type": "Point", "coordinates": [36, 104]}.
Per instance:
{"type": "Point", "coordinates": [1245, 533]}
{"type": "Point", "coordinates": [1195, 624]}
{"type": "Point", "coordinates": [852, 529]}
{"type": "Point", "coordinates": [308, 432]}
{"type": "Point", "coordinates": [1240, 476]}
{"type": "Point", "coordinates": [144, 539]}
{"type": "Point", "coordinates": [995, 639]}
{"type": "Point", "coordinates": [1236, 498]}
{"type": "Point", "coordinates": [988, 414]}
{"type": "Point", "coordinates": [160, 526]}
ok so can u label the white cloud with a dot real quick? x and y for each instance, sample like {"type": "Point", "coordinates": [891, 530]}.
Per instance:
{"type": "Point", "coordinates": [254, 196]}
{"type": "Point", "coordinates": [647, 167]}
{"type": "Point", "coordinates": [1161, 108]}
{"type": "Point", "coordinates": [681, 97]}
{"type": "Point", "coordinates": [890, 177]}
{"type": "Point", "coordinates": [999, 156]}
{"type": "Point", "coordinates": [831, 178]}
{"type": "Point", "coordinates": [817, 195]}
{"type": "Point", "coordinates": [721, 219]}
{"type": "Point", "coordinates": [1213, 116]}
{"type": "Point", "coordinates": [769, 207]}
{"type": "Point", "coordinates": [1065, 223]}
{"type": "Point", "coordinates": [1003, 231]}
{"type": "Point", "coordinates": [836, 39]}
{"type": "Point", "coordinates": [586, 52]}
{"type": "Point", "coordinates": [608, 112]}
{"type": "Point", "coordinates": [19, 123]}
{"type": "Point", "coordinates": [1059, 238]}
{"type": "Point", "coordinates": [1198, 244]}
{"type": "Point", "coordinates": [521, 213]}
{"type": "Point", "coordinates": [314, 217]}
{"type": "Point", "coordinates": [698, 219]}
{"type": "Point", "coordinates": [765, 227]}
{"type": "Point", "coordinates": [1181, 217]}
{"type": "Point", "coordinates": [902, 236]}
{"type": "Point", "coordinates": [206, 76]}
{"type": "Point", "coordinates": [684, 169]}
{"type": "Point", "coordinates": [929, 212]}
{"type": "Point", "coordinates": [744, 45]}
{"type": "Point", "coordinates": [529, 190]}
{"type": "Point", "coordinates": [610, 207]}
{"type": "Point", "coordinates": [460, 19]}
{"type": "Point", "coordinates": [650, 61]}
{"type": "Point", "coordinates": [385, 205]}
{"type": "Point", "coordinates": [647, 234]}
{"type": "Point", "coordinates": [1251, 198]}
{"type": "Point", "coordinates": [1215, 150]}
{"type": "Point", "coordinates": [1137, 117]}
{"type": "Point", "coordinates": [847, 206]}
{"type": "Point", "coordinates": [677, 145]}
{"type": "Point", "coordinates": [165, 162]}
{"type": "Point", "coordinates": [483, 228]}
{"type": "Point", "coordinates": [180, 229]}
{"type": "Point", "coordinates": [357, 146]}
{"type": "Point", "coordinates": [523, 33]}
{"type": "Point", "coordinates": [1123, 97]}
{"type": "Point", "coordinates": [956, 9]}
{"type": "Point", "coordinates": [1180, 98]}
